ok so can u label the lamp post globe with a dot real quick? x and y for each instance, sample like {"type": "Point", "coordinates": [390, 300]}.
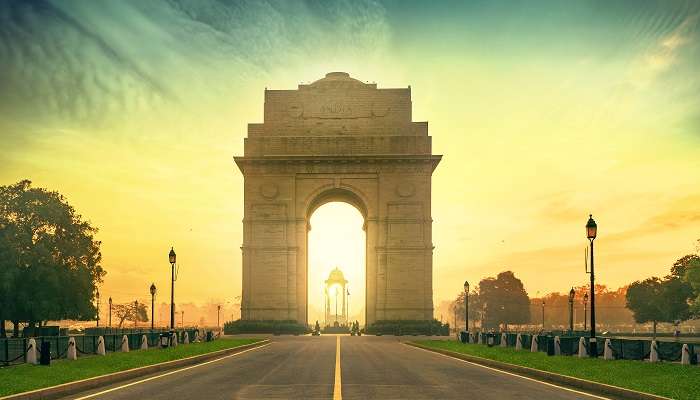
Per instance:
{"type": "Point", "coordinates": [591, 233]}
{"type": "Point", "coordinates": [466, 306]}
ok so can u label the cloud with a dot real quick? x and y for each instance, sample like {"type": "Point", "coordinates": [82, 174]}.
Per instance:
{"type": "Point", "coordinates": [91, 63]}
{"type": "Point", "coordinates": [665, 52]}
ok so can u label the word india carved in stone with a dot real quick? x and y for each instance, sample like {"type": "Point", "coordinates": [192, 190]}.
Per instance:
{"type": "Point", "coordinates": [337, 139]}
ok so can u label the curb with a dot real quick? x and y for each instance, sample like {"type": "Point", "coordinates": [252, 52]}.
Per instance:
{"type": "Point", "coordinates": [69, 388]}
{"type": "Point", "coordinates": [596, 388]}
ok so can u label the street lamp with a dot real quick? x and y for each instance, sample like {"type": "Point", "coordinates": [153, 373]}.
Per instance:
{"type": "Point", "coordinates": [182, 318]}
{"type": "Point", "coordinates": [98, 307]}
{"type": "Point", "coordinates": [571, 310]}
{"type": "Point", "coordinates": [153, 297]}
{"type": "Point", "coordinates": [218, 311]}
{"type": "Point", "coordinates": [542, 315]}
{"type": "Point", "coordinates": [171, 258]}
{"type": "Point", "coordinates": [136, 313]}
{"type": "Point", "coordinates": [110, 311]}
{"type": "Point", "coordinates": [466, 306]}
{"type": "Point", "coordinates": [591, 233]}
{"type": "Point", "coordinates": [585, 311]}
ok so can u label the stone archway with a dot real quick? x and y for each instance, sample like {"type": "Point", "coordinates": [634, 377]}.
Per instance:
{"type": "Point", "coordinates": [337, 139]}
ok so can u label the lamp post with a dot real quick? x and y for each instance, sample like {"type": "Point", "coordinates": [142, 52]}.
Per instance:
{"type": "Point", "coordinates": [466, 306]}
{"type": "Point", "coordinates": [153, 298]}
{"type": "Point", "coordinates": [110, 311]}
{"type": "Point", "coordinates": [591, 233]}
{"type": "Point", "coordinates": [542, 315]}
{"type": "Point", "coordinates": [585, 311]}
{"type": "Point", "coordinates": [571, 310]}
{"type": "Point", "coordinates": [98, 307]}
{"type": "Point", "coordinates": [182, 318]}
{"type": "Point", "coordinates": [171, 258]}
{"type": "Point", "coordinates": [218, 312]}
{"type": "Point", "coordinates": [136, 313]}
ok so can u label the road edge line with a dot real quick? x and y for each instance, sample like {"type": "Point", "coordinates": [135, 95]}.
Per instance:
{"type": "Point", "coordinates": [595, 388]}
{"type": "Point", "coordinates": [70, 388]}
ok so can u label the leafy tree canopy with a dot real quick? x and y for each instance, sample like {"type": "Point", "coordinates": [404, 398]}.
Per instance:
{"type": "Point", "coordinates": [657, 300]}
{"type": "Point", "coordinates": [49, 258]}
{"type": "Point", "coordinates": [504, 300]}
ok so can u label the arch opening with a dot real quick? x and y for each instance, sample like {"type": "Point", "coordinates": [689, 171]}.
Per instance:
{"type": "Point", "coordinates": [336, 239]}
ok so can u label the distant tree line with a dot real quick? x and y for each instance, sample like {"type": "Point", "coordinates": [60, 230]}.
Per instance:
{"type": "Point", "coordinates": [500, 301]}
{"type": "Point", "coordinates": [49, 258]}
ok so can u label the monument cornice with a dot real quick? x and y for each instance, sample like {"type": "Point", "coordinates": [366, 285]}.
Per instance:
{"type": "Point", "coordinates": [433, 159]}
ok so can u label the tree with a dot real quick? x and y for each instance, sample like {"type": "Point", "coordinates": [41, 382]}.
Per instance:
{"type": "Point", "coordinates": [655, 300]}
{"type": "Point", "coordinates": [503, 300]}
{"type": "Point", "coordinates": [49, 258]}
{"type": "Point", "coordinates": [129, 312]}
{"type": "Point", "coordinates": [688, 269]}
{"type": "Point", "coordinates": [457, 308]}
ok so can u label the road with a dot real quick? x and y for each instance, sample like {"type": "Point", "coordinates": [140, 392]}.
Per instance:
{"type": "Point", "coordinates": [305, 367]}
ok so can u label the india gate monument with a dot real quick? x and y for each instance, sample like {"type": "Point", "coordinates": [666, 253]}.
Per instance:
{"type": "Point", "coordinates": [337, 139]}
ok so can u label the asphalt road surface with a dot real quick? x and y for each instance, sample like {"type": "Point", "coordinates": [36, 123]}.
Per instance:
{"type": "Point", "coordinates": [305, 367]}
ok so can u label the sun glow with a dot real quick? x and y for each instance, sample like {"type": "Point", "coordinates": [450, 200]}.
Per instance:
{"type": "Point", "coordinates": [336, 239]}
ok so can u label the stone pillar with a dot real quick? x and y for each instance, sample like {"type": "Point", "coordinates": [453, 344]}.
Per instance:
{"type": "Point", "coordinates": [72, 352]}
{"type": "Point", "coordinates": [125, 344]}
{"type": "Point", "coordinates": [557, 346]}
{"type": "Point", "coordinates": [504, 339]}
{"type": "Point", "coordinates": [144, 342]}
{"type": "Point", "coordinates": [534, 343]}
{"type": "Point", "coordinates": [654, 354]}
{"type": "Point", "coordinates": [608, 352]}
{"type": "Point", "coordinates": [582, 352]}
{"type": "Point", "coordinates": [518, 342]}
{"type": "Point", "coordinates": [685, 355]}
{"type": "Point", "coordinates": [186, 339]}
{"type": "Point", "coordinates": [100, 346]}
{"type": "Point", "coordinates": [31, 352]}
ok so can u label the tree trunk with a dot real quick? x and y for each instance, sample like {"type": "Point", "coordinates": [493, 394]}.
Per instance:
{"type": "Point", "coordinates": [654, 330]}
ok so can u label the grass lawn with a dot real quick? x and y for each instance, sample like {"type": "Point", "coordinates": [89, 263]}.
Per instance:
{"type": "Point", "coordinates": [665, 379]}
{"type": "Point", "coordinates": [25, 377]}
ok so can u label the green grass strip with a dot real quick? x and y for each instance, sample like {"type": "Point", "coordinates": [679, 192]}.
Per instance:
{"type": "Point", "coordinates": [665, 379]}
{"type": "Point", "coordinates": [25, 377]}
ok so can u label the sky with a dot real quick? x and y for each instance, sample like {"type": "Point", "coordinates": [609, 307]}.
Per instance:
{"type": "Point", "coordinates": [545, 111]}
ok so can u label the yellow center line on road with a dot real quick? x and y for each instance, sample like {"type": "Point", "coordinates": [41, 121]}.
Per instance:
{"type": "Point", "coordinates": [337, 395]}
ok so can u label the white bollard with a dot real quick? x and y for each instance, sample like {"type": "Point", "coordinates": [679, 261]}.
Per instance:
{"type": "Point", "coordinates": [557, 346]}
{"type": "Point", "coordinates": [176, 339]}
{"type": "Point", "coordinates": [125, 344]}
{"type": "Point", "coordinates": [518, 342]}
{"type": "Point", "coordinates": [100, 346]}
{"type": "Point", "coordinates": [72, 352]}
{"type": "Point", "coordinates": [196, 336]}
{"type": "Point", "coordinates": [654, 353]}
{"type": "Point", "coordinates": [144, 342]}
{"type": "Point", "coordinates": [608, 352]}
{"type": "Point", "coordinates": [582, 352]}
{"type": "Point", "coordinates": [685, 355]}
{"type": "Point", "coordinates": [186, 339]}
{"type": "Point", "coordinates": [478, 338]}
{"type": "Point", "coordinates": [31, 352]}
{"type": "Point", "coordinates": [504, 340]}
{"type": "Point", "coordinates": [533, 344]}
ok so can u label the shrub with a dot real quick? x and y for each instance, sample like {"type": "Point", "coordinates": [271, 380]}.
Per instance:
{"type": "Point", "coordinates": [276, 327]}
{"type": "Point", "coordinates": [408, 327]}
